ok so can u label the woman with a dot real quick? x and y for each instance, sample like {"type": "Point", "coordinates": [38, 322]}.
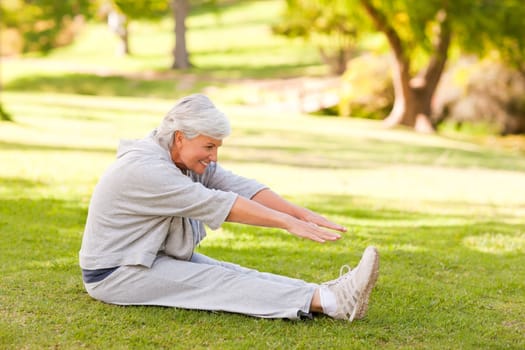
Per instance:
{"type": "Point", "coordinates": [147, 215]}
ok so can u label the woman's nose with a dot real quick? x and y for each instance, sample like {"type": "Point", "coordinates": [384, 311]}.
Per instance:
{"type": "Point", "coordinates": [214, 155]}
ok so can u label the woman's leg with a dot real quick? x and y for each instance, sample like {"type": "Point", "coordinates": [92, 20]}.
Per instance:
{"type": "Point", "coordinates": [189, 285]}
{"type": "Point", "coordinates": [203, 259]}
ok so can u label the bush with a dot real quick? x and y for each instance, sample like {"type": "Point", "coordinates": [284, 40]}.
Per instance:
{"type": "Point", "coordinates": [489, 93]}
{"type": "Point", "coordinates": [366, 88]}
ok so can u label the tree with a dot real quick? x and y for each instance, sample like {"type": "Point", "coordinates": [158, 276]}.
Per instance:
{"type": "Point", "coordinates": [121, 12]}
{"type": "Point", "coordinates": [414, 91]}
{"type": "Point", "coordinates": [41, 24]}
{"type": "Point", "coordinates": [420, 34]}
{"type": "Point", "coordinates": [508, 34]}
{"type": "Point", "coordinates": [118, 23]}
{"type": "Point", "coordinates": [181, 9]}
{"type": "Point", "coordinates": [333, 29]}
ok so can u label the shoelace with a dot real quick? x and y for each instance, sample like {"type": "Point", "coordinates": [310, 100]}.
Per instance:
{"type": "Point", "coordinates": [342, 270]}
{"type": "Point", "coordinates": [345, 296]}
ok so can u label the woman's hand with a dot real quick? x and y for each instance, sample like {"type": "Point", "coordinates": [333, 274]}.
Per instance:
{"type": "Point", "coordinates": [310, 230]}
{"type": "Point", "coordinates": [272, 200]}
{"type": "Point", "coordinates": [319, 220]}
{"type": "Point", "coordinates": [252, 213]}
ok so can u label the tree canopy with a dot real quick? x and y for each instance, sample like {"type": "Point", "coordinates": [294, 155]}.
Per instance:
{"type": "Point", "coordinates": [477, 26]}
{"type": "Point", "coordinates": [420, 35]}
{"type": "Point", "coordinates": [333, 29]}
{"type": "Point", "coordinates": [42, 23]}
{"type": "Point", "coordinates": [143, 9]}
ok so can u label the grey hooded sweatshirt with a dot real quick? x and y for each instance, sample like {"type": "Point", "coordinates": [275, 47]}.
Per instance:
{"type": "Point", "coordinates": [144, 206]}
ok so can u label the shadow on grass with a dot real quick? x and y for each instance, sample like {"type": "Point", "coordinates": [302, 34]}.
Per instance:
{"type": "Point", "coordinates": [52, 148]}
{"type": "Point", "coordinates": [160, 84]}
{"type": "Point", "coordinates": [102, 85]}
{"type": "Point", "coordinates": [255, 71]}
{"type": "Point", "coordinates": [19, 182]}
{"type": "Point", "coordinates": [311, 150]}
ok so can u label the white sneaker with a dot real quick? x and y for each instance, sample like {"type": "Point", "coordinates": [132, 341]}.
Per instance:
{"type": "Point", "coordinates": [352, 289]}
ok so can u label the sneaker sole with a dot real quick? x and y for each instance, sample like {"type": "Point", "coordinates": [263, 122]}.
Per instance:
{"type": "Point", "coordinates": [362, 304]}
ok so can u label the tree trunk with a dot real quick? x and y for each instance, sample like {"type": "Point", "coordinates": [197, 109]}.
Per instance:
{"type": "Point", "coordinates": [124, 49]}
{"type": "Point", "coordinates": [118, 23]}
{"type": "Point", "coordinates": [412, 104]}
{"type": "Point", "coordinates": [413, 95]}
{"type": "Point", "coordinates": [180, 10]}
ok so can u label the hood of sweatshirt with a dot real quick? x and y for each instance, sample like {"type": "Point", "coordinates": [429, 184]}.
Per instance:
{"type": "Point", "coordinates": [145, 145]}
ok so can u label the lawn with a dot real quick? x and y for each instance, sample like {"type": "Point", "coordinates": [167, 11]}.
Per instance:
{"type": "Point", "coordinates": [445, 213]}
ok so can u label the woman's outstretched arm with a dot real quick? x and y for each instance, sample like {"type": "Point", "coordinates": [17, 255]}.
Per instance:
{"type": "Point", "coordinates": [272, 200]}
{"type": "Point", "coordinates": [251, 212]}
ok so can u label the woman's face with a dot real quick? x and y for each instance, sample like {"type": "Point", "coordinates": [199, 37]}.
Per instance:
{"type": "Point", "coordinates": [194, 154]}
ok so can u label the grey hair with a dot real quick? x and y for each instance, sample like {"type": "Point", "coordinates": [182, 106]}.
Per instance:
{"type": "Point", "coordinates": [194, 115]}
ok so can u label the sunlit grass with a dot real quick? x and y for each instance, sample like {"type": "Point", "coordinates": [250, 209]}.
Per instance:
{"type": "Point", "coordinates": [497, 243]}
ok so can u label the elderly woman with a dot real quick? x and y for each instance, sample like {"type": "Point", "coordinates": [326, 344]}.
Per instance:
{"type": "Point", "coordinates": [147, 215]}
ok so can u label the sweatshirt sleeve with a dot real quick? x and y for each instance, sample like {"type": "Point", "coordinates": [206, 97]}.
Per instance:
{"type": "Point", "coordinates": [226, 180]}
{"type": "Point", "coordinates": [162, 190]}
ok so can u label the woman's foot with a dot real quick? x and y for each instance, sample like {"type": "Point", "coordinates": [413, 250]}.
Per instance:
{"type": "Point", "coordinates": [352, 290]}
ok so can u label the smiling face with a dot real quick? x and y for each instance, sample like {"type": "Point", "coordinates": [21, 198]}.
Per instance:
{"type": "Point", "coordinates": [194, 154]}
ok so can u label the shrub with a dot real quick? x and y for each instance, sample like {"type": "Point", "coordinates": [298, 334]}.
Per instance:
{"type": "Point", "coordinates": [366, 88]}
{"type": "Point", "coordinates": [488, 93]}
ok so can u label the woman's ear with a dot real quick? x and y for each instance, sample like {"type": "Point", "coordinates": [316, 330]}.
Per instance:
{"type": "Point", "coordinates": [178, 137]}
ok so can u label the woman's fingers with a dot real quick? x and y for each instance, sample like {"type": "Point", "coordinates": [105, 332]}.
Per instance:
{"type": "Point", "coordinates": [312, 231]}
{"type": "Point", "coordinates": [322, 221]}
{"type": "Point", "coordinates": [333, 226]}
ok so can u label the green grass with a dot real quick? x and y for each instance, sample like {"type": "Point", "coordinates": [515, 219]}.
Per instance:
{"type": "Point", "coordinates": [445, 212]}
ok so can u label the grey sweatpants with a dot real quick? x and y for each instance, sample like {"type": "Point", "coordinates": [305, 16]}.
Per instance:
{"type": "Point", "coordinates": [205, 284]}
